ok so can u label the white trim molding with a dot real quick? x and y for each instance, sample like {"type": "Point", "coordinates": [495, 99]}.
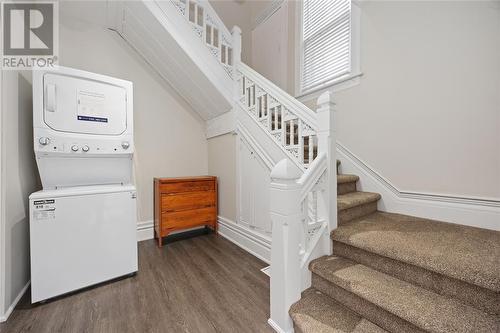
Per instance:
{"type": "Point", "coordinates": [6, 315]}
{"type": "Point", "coordinates": [347, 81]}
{"type": "Point", "coordinates": [276, 327]}
{"type": "Point", "coordinates": [2, 197]}
{"type": "Point", "coordinates": [145, 230]}
{"type": "Point", "coordinates": [342, 83]}
{"type": "Point", "coordinates": [471, 211]}
{"type": "Point", "coordinates": [267, 12]}
{"type": "Point", "coordinates": [246, 238]}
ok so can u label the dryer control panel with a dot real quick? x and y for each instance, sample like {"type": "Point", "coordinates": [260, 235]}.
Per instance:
{"type": "Point", "coordinates": [47, 144]}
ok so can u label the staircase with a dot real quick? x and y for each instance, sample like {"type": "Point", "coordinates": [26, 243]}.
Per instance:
{"type": "Point", "coordinates": [337, 263]}
{"type": "Point", "coordinates": [397, 273]}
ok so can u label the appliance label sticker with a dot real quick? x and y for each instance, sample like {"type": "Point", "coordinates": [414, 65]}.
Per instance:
{"type": "Point", "coordinates": [92, 106]}
{"type": "Point", "coordinates": [96, 119]}
{"type": "Point", "coordinates": [44, 209]}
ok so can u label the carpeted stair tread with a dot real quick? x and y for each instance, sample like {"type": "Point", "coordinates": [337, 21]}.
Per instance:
{"type": "Point", "coordinates": [465, 253]}
{"type": "Point", "coordinates": [342, 179]}
{"type": "Point", "coordinates": [422, 308]}
{"type": "Point", "coordinates": [318, 313]}
{"type": "Point", "coordinates": [481, 298]}
{"type": "Point", "coordinates": [353, 199]}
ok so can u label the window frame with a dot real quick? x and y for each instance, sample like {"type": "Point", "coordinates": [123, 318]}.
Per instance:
{"type": "Point", "coordinates": [336, 84]}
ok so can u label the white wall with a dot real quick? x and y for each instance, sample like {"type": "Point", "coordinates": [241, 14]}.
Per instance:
{"type": "Point", "coordinates": [169, 136]}
{"type": "Point", "coordinates": [426, 113]}
{"type": "Point", "coordinates": [19, 180]}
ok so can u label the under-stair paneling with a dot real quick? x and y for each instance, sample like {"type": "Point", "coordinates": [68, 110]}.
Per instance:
{"type": "Point", "coordinates": [246, 196]}
{"type": "Point", "coordinates": [253, 188]}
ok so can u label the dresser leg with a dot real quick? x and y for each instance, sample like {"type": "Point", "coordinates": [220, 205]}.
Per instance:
{"type": "Point", "coordinates": [160, 242]}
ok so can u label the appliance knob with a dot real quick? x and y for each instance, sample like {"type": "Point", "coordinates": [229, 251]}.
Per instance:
{"type": "Point", "coordinates": [85, 148]}
{"type": "Point", "coordinates": [44, 141]}
{"type": "Point", "coordinates": [125, 145]}
{"type": "Point", "coordinates": [74, 148]}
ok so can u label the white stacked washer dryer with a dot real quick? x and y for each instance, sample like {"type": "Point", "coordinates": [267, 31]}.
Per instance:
{"type": "Point", "coordinates": [83, 222]}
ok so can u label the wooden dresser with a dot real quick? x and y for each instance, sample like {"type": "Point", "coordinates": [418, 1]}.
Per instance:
{"type": "Point", "coordinates": [181, 203]}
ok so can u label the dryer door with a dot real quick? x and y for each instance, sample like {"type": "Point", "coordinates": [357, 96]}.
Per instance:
{"type": "Point", "coordinates": [79, 105]}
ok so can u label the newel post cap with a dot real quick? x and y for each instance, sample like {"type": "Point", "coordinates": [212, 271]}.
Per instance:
{"type": "Point", "coordinates": [285, 170]}
{"type": "Point", "coordinates": [236, 30]}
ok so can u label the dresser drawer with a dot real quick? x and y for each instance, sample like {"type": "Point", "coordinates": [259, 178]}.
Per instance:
{"type": "Point", "coordinates": [187, 218]}
{"type": "Point", "coordinates": [188, 200]}
{"type": "Point", "coordinates": [194, 186]}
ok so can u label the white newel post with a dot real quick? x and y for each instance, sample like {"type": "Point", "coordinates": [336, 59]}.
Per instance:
{"type": "Point", "coordinates": [327, 143]}
{"type": "Point", "coordinates": [285, 258]}
{"type": "Point", "coordinates": [236, 34]}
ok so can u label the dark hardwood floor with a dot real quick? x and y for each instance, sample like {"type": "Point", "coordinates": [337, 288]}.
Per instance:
{"type": "Point", "coordinates": [196, 284]}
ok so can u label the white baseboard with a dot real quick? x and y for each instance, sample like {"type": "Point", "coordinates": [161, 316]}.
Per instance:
{"type": "Point", "coordinates": [249, 240]}
{"type": "Point", "coordinates": [476, 212]}
{"type": "Point", "coordinates": [7, 313]}
{"type": "Point", "coordinates": [276, 327]}
{"type": "Point", "coordinates": [145, 230]}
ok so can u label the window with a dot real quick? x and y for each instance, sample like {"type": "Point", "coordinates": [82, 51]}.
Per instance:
{"type": "Point", "coordinates": [325, 43]}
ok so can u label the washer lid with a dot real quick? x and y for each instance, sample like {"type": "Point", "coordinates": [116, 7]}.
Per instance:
{"type": "Point", "coordinates": [79, 105]}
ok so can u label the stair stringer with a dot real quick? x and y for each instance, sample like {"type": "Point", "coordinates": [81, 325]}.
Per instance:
{"type": "Point", "coordinates": [163, 37]}
{"type": "Point", "coordinates": [275, 152]}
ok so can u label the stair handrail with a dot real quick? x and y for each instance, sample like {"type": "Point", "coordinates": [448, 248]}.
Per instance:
{"type": "Point", "coordinates": [303, 212]}
{"type": "Point", "coordinates": [289, 123]}
{"type": "Point", "coordinates": [290, 102]}
{"type": "Point", "coordinates": [312, 175]}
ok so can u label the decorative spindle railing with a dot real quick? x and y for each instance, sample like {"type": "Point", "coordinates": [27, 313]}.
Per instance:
{"type": "Point", "coordinates": [210, 29]}
{"type": "Point", "coordinates": [314, 213]}
{"type": "Point", "coordinates": [291, 124]}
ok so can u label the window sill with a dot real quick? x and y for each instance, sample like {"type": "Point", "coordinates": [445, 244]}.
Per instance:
{"type": "Point", "coordinates": [340, 84]}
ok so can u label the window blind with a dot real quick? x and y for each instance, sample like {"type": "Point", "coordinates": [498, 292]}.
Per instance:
{"type": "Point", "coordinates": [326, 41]}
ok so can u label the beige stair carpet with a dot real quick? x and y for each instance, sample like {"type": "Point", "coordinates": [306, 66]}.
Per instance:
{"type": "Point", "coordinates": [398, 273]}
